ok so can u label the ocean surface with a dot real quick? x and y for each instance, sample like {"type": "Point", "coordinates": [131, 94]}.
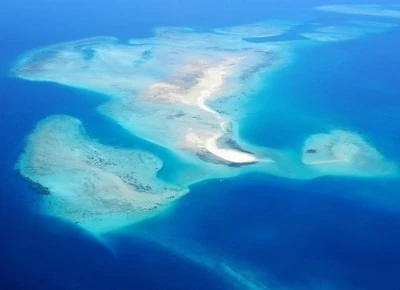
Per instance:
{"type": "Point", "coordinates": [237, 233]}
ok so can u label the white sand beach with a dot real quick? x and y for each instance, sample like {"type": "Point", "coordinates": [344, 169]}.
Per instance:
{"type": "Point", "coordinates": [229, 154]}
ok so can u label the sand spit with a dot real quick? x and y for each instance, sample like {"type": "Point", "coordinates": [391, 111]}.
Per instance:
{"type": "Point", "coordinates": [228, 154]}
{"type": "Point", "coordinates": [208, 84]}
{"type": "Point", "coordinates": [176, 113]}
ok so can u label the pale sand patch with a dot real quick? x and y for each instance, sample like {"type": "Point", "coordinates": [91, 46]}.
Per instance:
{"type": "Point", "coordinates": [229, 154]}
{"type": "Point", "coordinates": [206, 81]}
{"type": "Point", "coordinates": [345, 153]}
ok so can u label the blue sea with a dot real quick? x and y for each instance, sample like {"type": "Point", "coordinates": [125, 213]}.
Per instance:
{"type": "Point", "coordinates": [327, 233]}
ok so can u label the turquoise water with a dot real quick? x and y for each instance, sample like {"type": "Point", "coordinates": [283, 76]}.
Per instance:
{"type": "Point", "coordinates": [335, 232]}
{"type": "Point", "coordinates": [339, 85]}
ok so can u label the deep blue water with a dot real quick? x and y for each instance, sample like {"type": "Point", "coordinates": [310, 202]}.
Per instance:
{"type": "Point", "coordinates": [338, 231]}
{"type": "Point", "coordinates": [297, 232]}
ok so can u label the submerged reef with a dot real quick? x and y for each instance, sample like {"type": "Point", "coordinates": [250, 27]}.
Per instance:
{"type": "Point", "coordinates": [99, 187]}
{"type": "Point", "coordinates": [366, 9]}
{"type": "Point", "coordinates": [344, 153]}
{"type": "Point", "coordinates": [160, 89]}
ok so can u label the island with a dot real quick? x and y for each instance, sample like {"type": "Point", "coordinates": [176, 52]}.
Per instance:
{"type": "Point", "coordinates": [183, 90]}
